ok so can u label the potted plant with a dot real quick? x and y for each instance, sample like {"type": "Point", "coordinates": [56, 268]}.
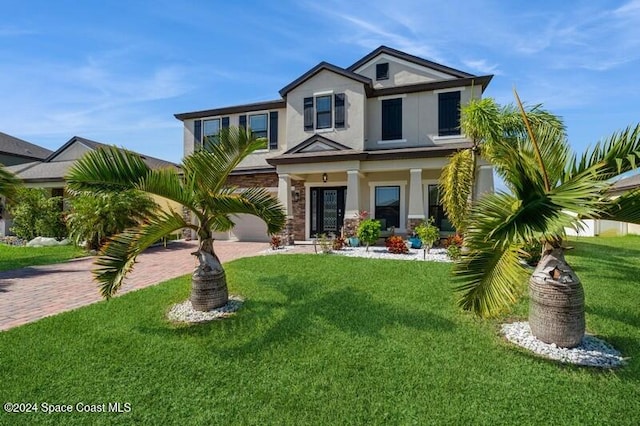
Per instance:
{"type": "Point", "coordinates": [369, 231]}
{"type": "Point", "coordinates": [352, 230]}
{"type": "Point", "coordinates": [428, 234]}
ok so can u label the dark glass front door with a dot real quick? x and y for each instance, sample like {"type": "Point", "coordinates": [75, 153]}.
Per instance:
{"type": "Point", "coordinates": [327, 210]}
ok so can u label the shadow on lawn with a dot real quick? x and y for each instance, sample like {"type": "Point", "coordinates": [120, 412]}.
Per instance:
{"type": "Point", "coordinates": [610, 262]}
{"type": "Point", "coordinates": [308, 310]}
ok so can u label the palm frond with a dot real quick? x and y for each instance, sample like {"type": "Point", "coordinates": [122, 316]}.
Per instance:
{"type": "Point", "coordinates": [619, 153]}
{"type": "Point", "coordinates": [489, 279]}
{"type": "Point", "coordinates": [8, 183]}
{"type": "Point", "coordinates": [480, 120]}
{"type": "Point", "coordinates": [213, 165]}
{"type": "Point", "coordinates": [167, 183]}
{"type": "Point", "coordinates": [254, 201]}
{"type": "Point", "coordinates": [624, 208]}
{"type": "Point", "coordinates": [118, 255]}
{"type": "Point", "coordinates": [456, 182]}
{"type": "Point", "coordinates": [106, 169]}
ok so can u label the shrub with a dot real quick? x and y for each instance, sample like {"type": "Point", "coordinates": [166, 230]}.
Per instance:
{"type": "Point", "coordinates": [455, 239]}
{"type": "Point", "coordinates": [96, 217]}
{"type": "Point", "coordinates": [36, 214]}
{"type": "Point", "coordinates": [276, 242]}
{"type": "Point", "coordinates": [427, 233]}
{"type": "Point", "coordinates": [369, 231]}
{"type": "Point", "coordinates": [396, 245]}
{"type": "Point", "coordinates": [325, 243]}
{"type": "Point", "coordinates": [454, 251]}
{"type": "Point", "coordinates": [338, 243]}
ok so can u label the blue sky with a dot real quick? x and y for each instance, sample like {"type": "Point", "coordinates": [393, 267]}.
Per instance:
{"type": "Point", "coordinates": [116, 71]}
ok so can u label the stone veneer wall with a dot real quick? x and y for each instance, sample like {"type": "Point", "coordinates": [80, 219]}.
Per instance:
{"type": "Point", "coordinates": [270, 180]}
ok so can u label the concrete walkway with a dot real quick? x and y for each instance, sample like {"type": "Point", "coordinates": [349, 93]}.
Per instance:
{"type": "Point", "coordinates": [32, 293]}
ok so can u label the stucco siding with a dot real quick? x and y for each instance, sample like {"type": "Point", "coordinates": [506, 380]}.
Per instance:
{"type": "Point", "coordinates": [401, 73]}
{"type": "Point", "coordinates": [352, 135]}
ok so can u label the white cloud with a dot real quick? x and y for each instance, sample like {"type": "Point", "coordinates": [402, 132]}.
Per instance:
{"type": "Point", "coordinates": [482, 65]}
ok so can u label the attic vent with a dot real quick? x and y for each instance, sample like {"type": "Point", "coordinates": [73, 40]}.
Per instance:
{"type": "Point", "coordinates": [382, 71]}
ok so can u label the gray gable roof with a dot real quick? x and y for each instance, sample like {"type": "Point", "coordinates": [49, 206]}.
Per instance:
{"type": "Point", "coordinates": [51, 169]}
{"type": "Point", "coordinates": [21, 148]}
{"type": "Point", "coordinates": [410, 58]}
{"type": "Point", "coordinates": [631, 182]}
{"type": "Point", "coordinates": [329, 67]}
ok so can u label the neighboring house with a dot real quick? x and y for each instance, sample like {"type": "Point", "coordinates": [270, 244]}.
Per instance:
{"type": "Point", "coordinates": [49, 172]}
{"type": "Point", "coordinates": [373, 136]}
{"type": "Point", "coordinates": [16, 151]}
{"type": "Point", "coordinates": [610, 228]}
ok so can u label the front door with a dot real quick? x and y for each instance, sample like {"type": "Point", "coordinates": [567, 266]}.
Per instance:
{"type": "Point", "coordinates": [327, 210]}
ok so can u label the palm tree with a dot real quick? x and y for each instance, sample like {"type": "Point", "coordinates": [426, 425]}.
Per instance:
{"type": "Point", "coordinates": [482, 121]}
{"type": "Point", "coordinates": [8, 183]}
{"type": "Point", "coordinates": [201, 190]}
{"type": "Point", "coordinates": [551, 189]}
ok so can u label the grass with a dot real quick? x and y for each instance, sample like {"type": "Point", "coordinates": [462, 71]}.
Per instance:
{"type": "Point", "coordinates": [327, 340]}
{"type": "Point", "coordinates": [13, 257]}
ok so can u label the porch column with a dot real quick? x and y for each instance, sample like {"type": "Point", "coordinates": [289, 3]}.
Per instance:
{"type": "Point", "coordinates": [284, 195]}
{"type": "Point", "coordinates": [416, 200]}
{"type": "Point", "coordinates": [352, 205]}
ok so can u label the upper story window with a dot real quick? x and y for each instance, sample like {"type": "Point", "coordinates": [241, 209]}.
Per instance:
{"type": "Point", "coordinates": [324, 112]}
{"type": "Point", "coordinates": [392, 119]}
{"type": "Point", "coordinates": [449, 113]}
{"type": "Point", "coordinates": [382, 71]}
{"type": "Point", "coordinates": [263, 125]}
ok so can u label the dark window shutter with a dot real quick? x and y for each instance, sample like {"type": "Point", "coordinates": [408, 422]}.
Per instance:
{"type": "Point", "coordinates": [225, 122]}
{"type": "Point", "coordinates": [273, 130]}
{"type": "Point", "coordinates": [308, 113]}
{"type": "Point", "coordinates": [197, 135]}
{"type": "Point", "coordinates": [391, 119]}
{"type": "Point", "coordinates": [242, 121]}
{"type": "Point", "coordinates": [448, 113]}
{"type": "Point", "coordinates": [339, 104]}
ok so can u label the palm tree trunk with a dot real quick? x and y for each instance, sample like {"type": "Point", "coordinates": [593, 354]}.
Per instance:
{"type": "Point", "coordinates": [556, 307]}
{"type": "Point", "coordinates": [208, 282]}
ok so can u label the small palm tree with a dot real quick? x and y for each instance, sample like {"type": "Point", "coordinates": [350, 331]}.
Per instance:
{"type": "Point", "coordinates": [551, 189]}
{"type": "Point", "coordinates": [203, 192]}
{"type": "Point", "coordinates": [482, 121]}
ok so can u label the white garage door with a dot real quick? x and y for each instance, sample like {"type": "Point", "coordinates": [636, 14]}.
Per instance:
{"type": "Point", "coordinates": [249, 228]}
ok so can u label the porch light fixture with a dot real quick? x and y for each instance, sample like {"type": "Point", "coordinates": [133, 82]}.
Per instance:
{"type": "Point", "coordinates": [325, 177]}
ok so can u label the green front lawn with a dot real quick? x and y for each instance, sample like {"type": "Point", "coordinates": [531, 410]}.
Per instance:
{"type": "Point", "coordinates": [13, 257]}
{"type": "Point", "coordinates": [327, 340]}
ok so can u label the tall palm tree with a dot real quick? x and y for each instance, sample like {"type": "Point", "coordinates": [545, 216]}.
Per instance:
{"type": "Point", "coordinates": [201, 190]}
{"type": "Point", "coordinates": [551, 189]}
{"type": "Point", "coordinates": [482, 121]}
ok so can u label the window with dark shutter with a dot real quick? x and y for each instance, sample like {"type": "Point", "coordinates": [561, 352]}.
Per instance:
{"type": "Point", "coordinates": [273, 130]}
{"type": "Point", "coordinates": [382, 71]}
{"type": "Point", "coordinates": [197, 135]}
{"type": "Point", "coordinates": [391, 119]}
{"type": "Point", "coordinates": [339, 104]}
{"type": "Point", "coordinates": [242, 121]}
{"type": "Point", "coordinates": [308, 113]}
{"type": "Point", "coordinates": [225, 122]}
{"type": "Point", "coordinates": [323, 112]}
{"type": "Point", "coordinates": [448, 113]}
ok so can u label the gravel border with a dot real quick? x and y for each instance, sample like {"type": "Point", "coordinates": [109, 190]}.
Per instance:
{"type": "Point", "coordinates": [184, 312]}
{"type": "Point", "coordinates": [591, 352]}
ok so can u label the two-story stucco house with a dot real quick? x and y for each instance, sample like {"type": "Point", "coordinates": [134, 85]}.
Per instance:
{"type": "Point", "coordinates": [373, 136]}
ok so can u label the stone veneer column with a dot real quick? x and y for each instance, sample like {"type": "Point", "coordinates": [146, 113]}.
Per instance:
{"type": "Point", "coordinates": [416, 200]}
{"type": "Point", "coordinates": [284, 195]}
{"type": "Point", "coordinates": [187, 233]}
{"type": "Point", "coordinates": [352, 207]}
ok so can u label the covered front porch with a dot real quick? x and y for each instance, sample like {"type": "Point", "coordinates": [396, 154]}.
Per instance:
{"type": "Point", "coordinates": [324, 197]}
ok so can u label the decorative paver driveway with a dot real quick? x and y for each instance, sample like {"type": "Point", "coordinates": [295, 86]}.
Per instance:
{"type": "Point", "coordinates": [29, 294]}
